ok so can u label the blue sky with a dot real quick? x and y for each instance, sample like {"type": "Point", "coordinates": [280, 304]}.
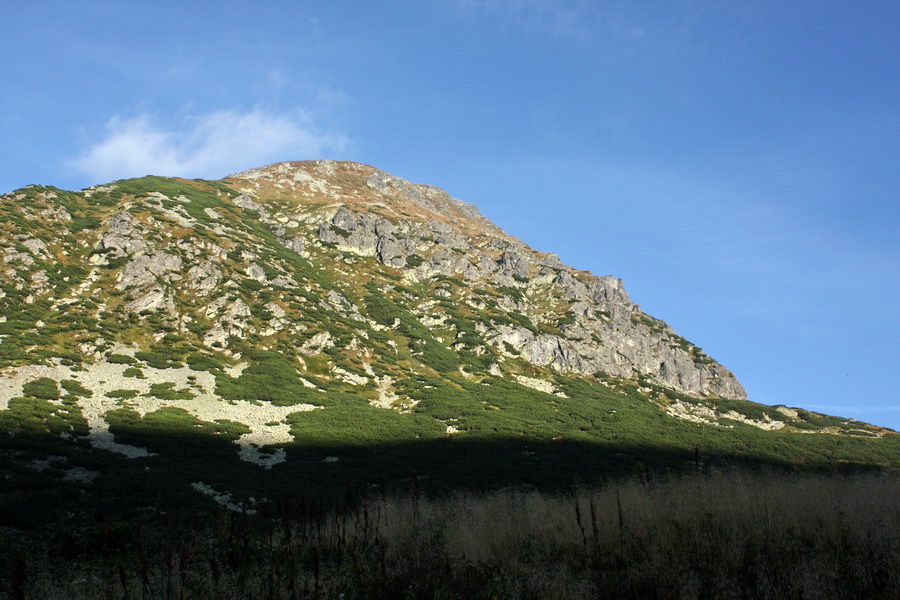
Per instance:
{"type": "Point", "coordinates": [735, 162]}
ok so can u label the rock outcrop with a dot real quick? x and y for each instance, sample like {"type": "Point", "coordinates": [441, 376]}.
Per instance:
{"type": "Point", "coordinates": [433, 234]}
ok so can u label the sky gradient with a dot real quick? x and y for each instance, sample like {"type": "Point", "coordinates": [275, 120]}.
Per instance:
{"type": "Point", "coordinates": [735, 163]}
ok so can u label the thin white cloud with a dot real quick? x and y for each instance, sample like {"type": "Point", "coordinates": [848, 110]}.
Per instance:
{"type": "Point", "coordinates": [210, 145]}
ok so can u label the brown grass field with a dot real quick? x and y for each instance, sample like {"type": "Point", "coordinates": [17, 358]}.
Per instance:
{"type": "Point", "coordinates": [733, 534]}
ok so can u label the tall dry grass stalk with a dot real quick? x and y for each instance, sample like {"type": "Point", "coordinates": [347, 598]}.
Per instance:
{"type": "Point", "coordinates": [725, 535]}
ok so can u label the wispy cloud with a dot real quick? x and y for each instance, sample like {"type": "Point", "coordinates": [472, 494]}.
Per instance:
{"type": "Point", "coordinates": [209, 145]}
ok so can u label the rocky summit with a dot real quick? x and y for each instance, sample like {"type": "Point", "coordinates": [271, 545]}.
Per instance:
{"type": "Point", "coordinates": [523, 303]}
{"type": "Point", "coordinates": [306, 310]}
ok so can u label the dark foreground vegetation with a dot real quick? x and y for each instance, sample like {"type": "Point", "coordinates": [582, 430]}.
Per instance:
{"type": "Point", "coordinates": [727, 534]}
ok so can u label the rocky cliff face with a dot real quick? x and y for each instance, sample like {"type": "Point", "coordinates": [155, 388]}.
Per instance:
{"type": "Point", "coordinates": [572, 322]}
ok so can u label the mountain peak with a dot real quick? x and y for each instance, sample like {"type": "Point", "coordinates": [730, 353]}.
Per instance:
{"type": "Point", "coordinates": [301, 313]}
{"type": "Point", "coordinates": [329, 288]}
{"type": "Point", "coordinates": [360, 186]}
{"type": "Point", "coordinates": [528, 310]}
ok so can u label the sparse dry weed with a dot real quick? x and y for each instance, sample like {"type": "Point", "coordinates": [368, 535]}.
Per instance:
{"type": "Point", "coordinates": [725, 535]}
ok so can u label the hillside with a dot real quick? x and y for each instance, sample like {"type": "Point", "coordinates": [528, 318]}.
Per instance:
{"type": "Point", "coordinates": [316, 325]}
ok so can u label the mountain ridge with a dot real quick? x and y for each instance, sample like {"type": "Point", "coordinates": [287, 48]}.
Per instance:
{"type": "Point", "coordinates": [516, 257]}
{"type": "Point", "coordinates": [329, 303]}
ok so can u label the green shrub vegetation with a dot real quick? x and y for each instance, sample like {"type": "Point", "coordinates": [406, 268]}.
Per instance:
{"type": "Point", "coordinates": [270, 377]}
{"type": "Point", "coordinates": [348, 427]}
{"type": "Point", "coordinates": [655, 325]}
{"type": "Point", "coordinates": [121, 359]}
{"type": "Point", "coordinates": [422, 342]}
{"type": "Point", "coordinates": [43, 388]}
{"type": "Point", "coordinates": [75, 388]}
{"type": "Point", "coordinates": [179, 436]}
{"type": "Point", "coordinates": [204, 361]}
{"type": "Point", "coordinates": [38, 416]}
{"type": "Point", "coordinates": [166, 354]}
{"type": "Point", "coordinates": [78, 224]}
{"type": "Point", "coordinates": [200, 194]}
{"type": "Point", "coordinates": [414, 260]}
{"type": "Point", "coordinates": [167, 391]}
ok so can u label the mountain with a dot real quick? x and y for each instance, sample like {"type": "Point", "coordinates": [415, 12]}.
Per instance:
{"type": "Point", "coordinates": [330, 322]}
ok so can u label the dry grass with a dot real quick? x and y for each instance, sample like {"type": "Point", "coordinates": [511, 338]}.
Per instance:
{"type": "Point", "coordinates": [727, 535]}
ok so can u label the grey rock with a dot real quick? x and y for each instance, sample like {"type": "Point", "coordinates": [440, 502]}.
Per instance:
{"type": "Point", "coordinates": [153, 299]}
{"type": "Point", "coordinates": [608, 289]}
{"type": "Point", "coordinates": [277, 311]}
{"type": "Point", "coordinates": [430, 197]}
{"type": "Point", "coordinates": [146, 268]}
{"type": "Point", "coordinates": [551, 260]}
{"type": "Point", "coordinates": [203, 278]}
{"type": "Point", "coordinates": [515, 263]}
{"type": "Point", "coordinates": [12, 256]}
{"type": "Point", "coordinates": [296, 244]}
{"type": "Point", "coordinates": [445, 235]}
{"type": "Point", "coordinates": [37, 247]}
{"type": "Point", "coordinates": [344, 219]}
{"type": "Point", "coordinates": [350, 232]}
{"type": "Point", "coordinates": [216, 336]}
{"type": "Point", "coordinates": [391, 252]}
{"type": "Point", "coordinates": [570, 287]}
{"type": "Point", "coordinates": [245, 201]}
{"type": "Point", "coordinates": [326, 234]}
{"type": "Point", "coordinates": [56, 213]}
{"type": "Point", "coordinates": [254, 271]}
{"type": "Point", "coordinates": [447, 262]}
{"type": "Point", "coordinates": [40, 282]}
{"type": "Point", "coordinates": [123, 236]}
{"type": "Point", "coordinates": [231, 320]}
{"type": "Point", "coordinates": [384, 228]}
{"type": "Point", "coordinates": [237, 311]}
{"type": "Point", "coordinates": [283, 282]}
{"type": "Point", "coordinates": [542, 350]}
